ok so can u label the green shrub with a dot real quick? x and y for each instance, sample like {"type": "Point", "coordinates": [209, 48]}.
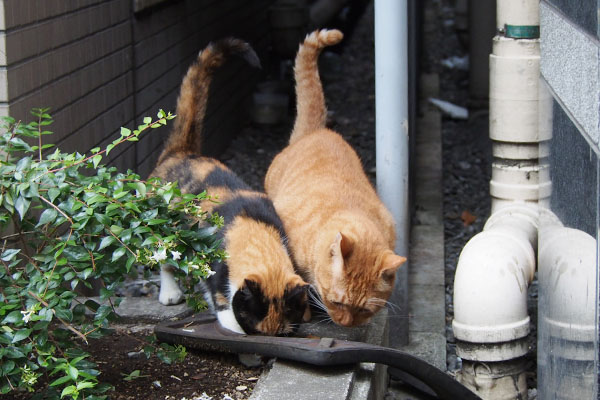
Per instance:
{"type": "Point", "coordinates": [67, 220]}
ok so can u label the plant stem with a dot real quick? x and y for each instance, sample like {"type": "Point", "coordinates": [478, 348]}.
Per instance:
{"type": "Point", "coordinates": [66, 324]}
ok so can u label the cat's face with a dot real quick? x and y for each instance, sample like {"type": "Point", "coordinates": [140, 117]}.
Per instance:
{"type": "Point", "coordinates": [281, 315]}
{"type": "Point", "coordinates": [356, 280]}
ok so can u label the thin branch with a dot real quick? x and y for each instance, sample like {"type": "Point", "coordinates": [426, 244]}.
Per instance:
{"type": "Point", "coordinates": [57, 209]}
{"type": "Point", "coordinates": [66, 324]}
{"type": "Point", "coordinates": [124, 139]}
{"type": "Point", "coordinates": [40, 137]}
{"type": "Point", "coordinates": [10, 384]}
{"type": "Point", "coordinates": [25, 247]}
{"type": "Point", "coordinates": [123, 244]}
{"type": "Point", "coordinates": [54, 266]}
{"type": "Point", "coordinates": [14, 130]}
{"type": "Point", "coordinates": [17, 234]}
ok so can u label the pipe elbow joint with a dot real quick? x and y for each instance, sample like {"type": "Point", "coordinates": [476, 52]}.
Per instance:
{"type": "Point", "coordinates": [490, 286]}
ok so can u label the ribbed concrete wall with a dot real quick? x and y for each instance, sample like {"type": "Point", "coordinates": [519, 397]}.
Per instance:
{"type": "Point", "coordinates": [100, 65]}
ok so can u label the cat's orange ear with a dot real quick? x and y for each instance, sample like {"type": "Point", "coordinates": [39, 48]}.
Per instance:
{"type": "Point", "coordinates": [343, 244]}
{"type": "Point", "coordinates": [390, 263]}
{"type": "Point", "coordinates": [346, 245]}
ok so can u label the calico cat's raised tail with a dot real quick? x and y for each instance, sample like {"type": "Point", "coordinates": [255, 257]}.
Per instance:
{"type": "Point", "coordinates": [255, 290]}
{"type": "Point", "coordinates": [193, 95]}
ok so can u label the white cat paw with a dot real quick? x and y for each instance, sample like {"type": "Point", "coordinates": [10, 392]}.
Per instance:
{"type": "Point", "coordinates": [170, 296]}
{"type": "Point", "coordinates": [169, 290]}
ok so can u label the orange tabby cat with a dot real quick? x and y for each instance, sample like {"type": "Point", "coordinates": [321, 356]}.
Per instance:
{"type": "Point", "coordinates": [340, 233]}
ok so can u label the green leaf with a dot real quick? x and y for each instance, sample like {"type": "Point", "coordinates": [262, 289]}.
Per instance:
{"type": "Point", "coordinates": [97, 199]}
{"type": "Point", "coordinates": [130, 261]}
{"type": "Point", "coordinates": [61, 380]}
{"type": "Point", "coordinates": [69, 390]}
{"type": "Point", "coordinates": [116, 229]}
{"type": "Point", "coordinates": [96, 160]}
{"type": "Point", "coordinates": [48, 216]}
{"type": "Point", "coordinates": [106, 241]}
{"type": "Point", "coordinates": [13, 352]}
{"type": "Point", "coordinates": [102, 312]}
{"type": "Point", "coordinates": [64, 314]}
{"type": "Point", "coordinates": [118, 253]}
{"type": "Point", "coordinates": [21, 335]}
{"type": "Point", "coordinates": [73, 372]}
{"type": "Point", "coordinates": [109, 148]}
{"type": "Point", "coordinates": [141, 188]}
{"type": "Point", "coordinates": [53, 193]}
{"type": "Point", "coordinates": [85, 385]}
{"type": "Point", "coordinates": [13, 317]}
{"type": "Point", "coordinates": [7, 367]}
{"type": "Point", "coordinates": [157, 221]}
{"type": "Point", "coordinates": [125, 132]}
{"type": "Point", "coordinates": [120, 194]}
{"type": "Point", "coordinates": [22, 205]}
{"type": "Point", "coordinates": [92, 305]}
{"type": "Point", "coordinates": [10, 254]}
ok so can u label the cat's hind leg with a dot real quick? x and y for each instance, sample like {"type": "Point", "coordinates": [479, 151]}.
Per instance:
{"type": "Point", "coordinates": [170, 293]}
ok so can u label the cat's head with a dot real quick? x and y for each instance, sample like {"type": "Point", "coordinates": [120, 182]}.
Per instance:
{"type": "Point", "coordinates": [261, 314]}
{"type": "Point", "coordinates": [355, 279]}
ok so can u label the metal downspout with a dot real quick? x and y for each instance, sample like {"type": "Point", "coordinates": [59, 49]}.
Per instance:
{"type": "Point", "coordinates": [391, 119]}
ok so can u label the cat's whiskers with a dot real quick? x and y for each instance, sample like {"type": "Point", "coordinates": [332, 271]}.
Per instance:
{"type": "Point", "coordinates": [315, 299]}
{"type": "Point", "coordinates": [321, 321]}
{"type": "Point", "coordinates": [375, 301]}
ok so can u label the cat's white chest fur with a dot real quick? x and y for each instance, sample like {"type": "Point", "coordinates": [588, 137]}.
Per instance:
{"type": "Point", "coordinates": [227, 320]}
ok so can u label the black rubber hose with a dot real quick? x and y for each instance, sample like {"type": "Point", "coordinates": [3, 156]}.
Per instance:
{"type": "Point", "coordinates": [207, 334]}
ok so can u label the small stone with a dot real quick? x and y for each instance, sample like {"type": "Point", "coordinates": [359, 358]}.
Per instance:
{"type": "Point", "coordinates": [156, 384]}
{"type": "Point", "coordinates": [241, 388]}
{"type": "Point", "coordinates": [252, 379]}
{"type": "Point", "coordinates": [250, 360]}
{"type": "Point", "coordinates": [464, 165]}
{"type": "Point", "coordinates": [135, 354]}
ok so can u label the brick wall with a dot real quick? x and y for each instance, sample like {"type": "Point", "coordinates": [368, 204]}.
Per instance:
{"type": "Point", "coordinates": [99, 66]}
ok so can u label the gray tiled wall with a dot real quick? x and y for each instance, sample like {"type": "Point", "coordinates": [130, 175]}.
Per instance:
{"type": "Point", "coordinates": [99, 66]}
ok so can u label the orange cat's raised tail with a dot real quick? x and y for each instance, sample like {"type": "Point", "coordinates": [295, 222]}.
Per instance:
{"type": "Point", "coordinates": [311, 109]}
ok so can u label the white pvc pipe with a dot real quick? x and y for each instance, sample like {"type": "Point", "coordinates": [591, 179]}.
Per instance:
{"type": "Point", "coordinates": [567, 320]}
{"type": "Point", "coordinates": [517, 12]}
{"type": "Point", "coordinates": [496, 266]}
{"type": "Point", "coordinates": [494, 271]}
{"type": "Point", "coordinates": [391, 112]}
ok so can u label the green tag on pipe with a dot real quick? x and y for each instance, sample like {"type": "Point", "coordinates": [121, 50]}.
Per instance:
{"type": "Point", "coordinates": [522, 31]}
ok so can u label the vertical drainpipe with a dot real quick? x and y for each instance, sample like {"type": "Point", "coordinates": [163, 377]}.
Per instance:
{"type": "Point", "coordinates": [496, 266]}
{"type": "Point", "coordinates": [391, 119]}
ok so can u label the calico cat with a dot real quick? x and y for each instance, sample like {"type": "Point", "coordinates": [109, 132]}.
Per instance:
{"type": "Point", "coordinates": [340, 233]}
{"type": "Point", "coordinates": [255, 290]}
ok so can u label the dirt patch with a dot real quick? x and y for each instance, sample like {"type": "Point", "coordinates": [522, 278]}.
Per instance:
{"type": "Point", "coordinates": [200, 376]}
